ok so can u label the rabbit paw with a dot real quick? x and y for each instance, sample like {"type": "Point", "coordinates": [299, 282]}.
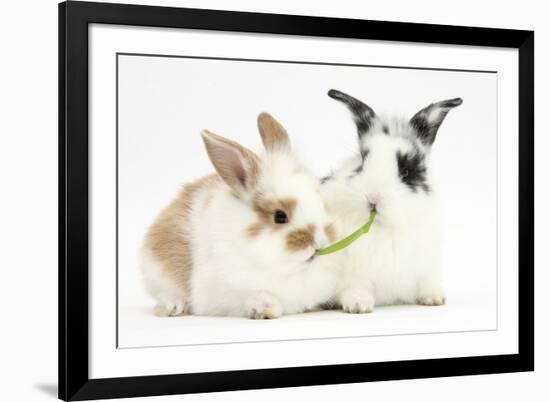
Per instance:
{"type": "Point", "coordinates": [436, 299]}
{"type": "Point", "coordinates": [357, 301]}
{"type": "Point", "coordinates": [430, 296]}
{"type": "Point", "coordinates": [263, 305]}
{"type": "Point", "coordinates": [169, 309]}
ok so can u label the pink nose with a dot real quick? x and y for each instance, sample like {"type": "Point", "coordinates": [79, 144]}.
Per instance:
{"type": "Point", "coordinates": [373, 200]}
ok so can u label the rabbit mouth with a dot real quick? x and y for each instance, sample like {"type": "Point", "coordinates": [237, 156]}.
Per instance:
{"type": "Point", "coordinates": [311, 258]}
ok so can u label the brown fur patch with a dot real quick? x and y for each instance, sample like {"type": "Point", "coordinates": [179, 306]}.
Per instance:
{"type": "Point", "coordinates": [330, 231]}
{"type": "Point", "coordinates": [169, 237]}
{"type": "Point", "coordinates": [288, 205]}
{"type": "Point", "coordinates": [265, 209]}
{"type": "Point", "coordinates": [300, 239]}
{"type": "Point", "coordinates": [254, 230]}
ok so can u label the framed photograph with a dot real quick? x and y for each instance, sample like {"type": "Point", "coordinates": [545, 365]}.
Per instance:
{"type": "Point", "coordinates": [257, 200]}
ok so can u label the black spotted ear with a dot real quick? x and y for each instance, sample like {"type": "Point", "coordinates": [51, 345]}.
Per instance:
{"type": "Point", "coordinates": [427, 121]}
{"type": "Point", "coordinates": [362, 114]}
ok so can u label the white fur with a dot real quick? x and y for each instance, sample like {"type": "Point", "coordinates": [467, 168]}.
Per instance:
{"type": "Point", "coordinates": [230, 269]}
{"type": "Point", "coordinates": [236, 275]}
{"type": "Point", "coordinates": [397, 261]}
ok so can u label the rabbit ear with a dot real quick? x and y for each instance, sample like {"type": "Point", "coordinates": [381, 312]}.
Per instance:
{"type": "Point", "coordinates": [427, 121]}
{"type": "Point", "coordinates": [236, 165]}
{"type": "Point", "coordinates": [274, 135]}
{"type": "Point", "coordinates": [363, 115]}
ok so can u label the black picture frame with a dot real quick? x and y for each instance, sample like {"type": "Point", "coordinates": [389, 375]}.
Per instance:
{"type": "Point", "coordinates": [74, 18]}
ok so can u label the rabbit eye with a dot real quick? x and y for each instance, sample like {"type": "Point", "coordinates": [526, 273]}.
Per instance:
{"type": "Point", "coordinates": [412, 170]}
{"type": "Point", "coordinates": [280, 216]}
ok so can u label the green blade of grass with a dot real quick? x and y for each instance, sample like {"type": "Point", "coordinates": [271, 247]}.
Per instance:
{"type": "Point", "coordinates": [348, 240]}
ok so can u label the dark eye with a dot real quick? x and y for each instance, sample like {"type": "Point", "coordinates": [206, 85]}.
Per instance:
{"type": "Point", "coordinates": [412, 170]}
{"type": "Point", "coordinates": [404, 165]}
{"type": "Point", "coordinates": [280, 216]}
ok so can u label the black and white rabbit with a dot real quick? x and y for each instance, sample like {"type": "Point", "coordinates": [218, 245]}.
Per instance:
{"type": "Point", "coordinates": [398, 261]}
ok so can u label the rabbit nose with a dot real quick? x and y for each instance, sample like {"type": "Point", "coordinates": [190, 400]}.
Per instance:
{"type": "Point", "coordinates": [373, 200]}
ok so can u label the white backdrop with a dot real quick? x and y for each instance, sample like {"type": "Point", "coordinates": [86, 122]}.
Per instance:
{"type": "Point", "coordinates": [344, 342]}
{"type": "Point", "coordinates": [28, 166]}
{"type": "Point", "coordinates": [163, 104]}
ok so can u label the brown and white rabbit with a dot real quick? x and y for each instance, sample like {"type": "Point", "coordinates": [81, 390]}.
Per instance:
{"type": "Point", "coordinates": [241, 242]}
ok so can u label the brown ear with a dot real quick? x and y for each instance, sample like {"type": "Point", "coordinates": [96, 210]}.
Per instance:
{"type": "Point", "coordinates": [235, 164]}
{"type": "Point", "coordinates": [273, 134]}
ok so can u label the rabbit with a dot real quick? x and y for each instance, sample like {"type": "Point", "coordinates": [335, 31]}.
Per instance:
{"type": "Point", "coordinates": [397, 262]}
{"type": "Point", "coordinates": [242, 242]}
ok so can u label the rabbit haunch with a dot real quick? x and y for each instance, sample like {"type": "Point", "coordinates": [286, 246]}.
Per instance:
{"type": "Point", "coordinates": [241, 242]}
{"type": "Point", "coordinates": [398, 262]}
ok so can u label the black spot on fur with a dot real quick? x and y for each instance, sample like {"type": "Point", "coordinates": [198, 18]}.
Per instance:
{"type": "Point", "coordinates": [362, 114]}
{"type": "Point", "coordinates": [363, 125]}
{"type": "Point", "coordinates": [328, 177]}
{"type": "Point", "coordinates": [412, 170]}
{"type": "Point", "coordinates": [364, 154]}
{"type": "Point", "coordinates": [385, 129]}
{"type": "Point", "coordinates": [427, 130]}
